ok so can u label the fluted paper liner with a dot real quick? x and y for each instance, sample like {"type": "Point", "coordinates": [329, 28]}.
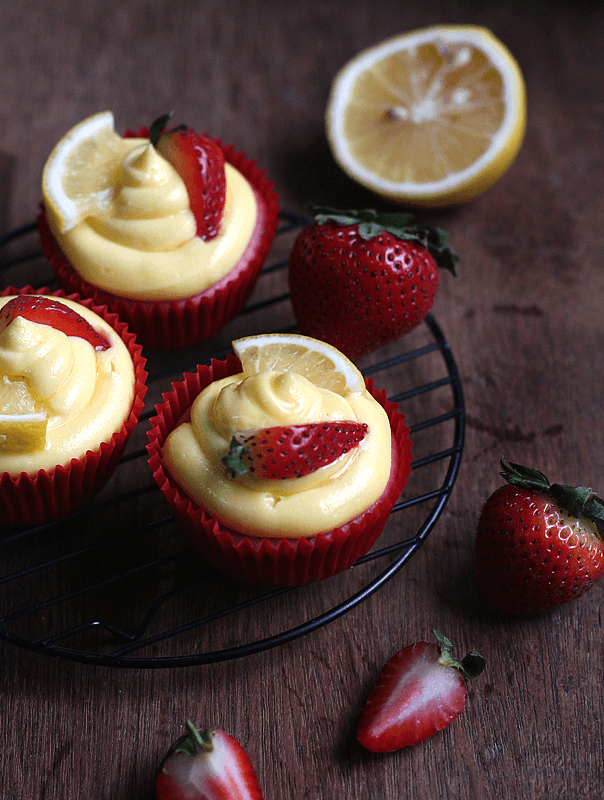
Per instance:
{"type": "Point", "coordinates": [173, 324]}
{"type": "Point", "coordinates": [268, 561]}
{"type": "Point", "coordinates": [33, 499]}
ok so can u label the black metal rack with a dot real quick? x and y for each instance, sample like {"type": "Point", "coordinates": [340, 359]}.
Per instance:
{"type": "Point", "coordinates": [101, 599]}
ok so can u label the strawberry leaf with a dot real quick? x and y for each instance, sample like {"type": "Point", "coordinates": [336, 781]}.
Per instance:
{"type": "Point", "coordinates": [233, 461]}
{"type": "Point", "coordinates": [524, 477]}
{"type": "Point", "coordinates": [158, 127]}
{"type": "Point", "coordinates": [369, 230]}
{"type": "Point", "coordinates": [472, 665]}
{"type": "Point", "coordinates": [580, 501]}
{"type": "Point", "coordinates": [442, 640]}
{"type": "Point", "coordinates": [594, 510]}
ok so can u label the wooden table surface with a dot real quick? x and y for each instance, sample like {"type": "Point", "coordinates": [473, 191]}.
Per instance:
{"type": "Point", "coordinates": [525, 324]}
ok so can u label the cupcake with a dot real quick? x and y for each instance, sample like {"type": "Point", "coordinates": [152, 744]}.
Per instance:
{"type": "Point", "coordinates": [238, 449]}
{"type": "Point", "coordinates": [166, 227]}
{"type": "Point", "coordinates": [72, 383]}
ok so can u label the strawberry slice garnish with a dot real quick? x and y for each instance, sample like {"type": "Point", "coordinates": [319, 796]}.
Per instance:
{"type": "Point", "coordinates": [199, 161]}
{"type": "Point", "coordinates": [538, 544]}
{"type": "Point", "coordinates": [420, 691]}
{"type": "Point", "coordinates": [46, 311]}
{"type": "Point", "coordinates": [292, 451]}
{"type": "Point", "coordinates": [208, 764]}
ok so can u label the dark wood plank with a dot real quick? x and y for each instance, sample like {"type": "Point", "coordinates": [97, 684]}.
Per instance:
{"type": "Point", "coordinates": [524, 320]}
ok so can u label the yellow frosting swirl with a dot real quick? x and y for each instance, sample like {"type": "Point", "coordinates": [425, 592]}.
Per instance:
{"type": "Point", "coordinates": [86, 394]}
{"type": "Point", "coordinates": [141, 243]}
{"type": "Point", "coordinates": [315, 503]}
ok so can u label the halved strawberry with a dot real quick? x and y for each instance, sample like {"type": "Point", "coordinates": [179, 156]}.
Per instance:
{"type": "Point", "coordinates": [47, 311]}
{"type": "Point", "coordinates": [292, 451]}
{"type": "Point", "coordinates": [420, 691]}
{"type": "Point", "coordinates": [199, 161]}
{"type": "Point", "coordinates": [209, 765]}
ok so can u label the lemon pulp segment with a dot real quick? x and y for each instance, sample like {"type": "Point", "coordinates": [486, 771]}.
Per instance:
{"type": "Point", "coordinates": [92, 169]}
{"type": "Point", "coordinates": [23, 420]}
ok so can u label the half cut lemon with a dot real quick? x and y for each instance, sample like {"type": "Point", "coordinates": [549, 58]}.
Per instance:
{"type": "Point", "coordinates": [319, 362]}
{"type": "Point", "coordinates": [429, 118]}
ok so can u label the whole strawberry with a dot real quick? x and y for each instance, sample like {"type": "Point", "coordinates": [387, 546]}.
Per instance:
{"type": "Point", "coordinates": [199, 161]}
{"type": "Point", "coordinates": [207, 765]}
{"type": "Point", "coordinates": [360, 279]}
{"type": "Point", "coordinates": [538, 544]}
{"type": "Point", "coordinates": [420, 691]}
{"type": "Point", "coordinates": [292, 451]}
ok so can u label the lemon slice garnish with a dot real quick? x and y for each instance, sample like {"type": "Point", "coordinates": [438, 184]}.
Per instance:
{"type": "Point", "coordinates": [22, 420]}
{"type": "Point", "coordinates": [82, 174]}
{"type": "Point", "coordinates": [319, 362]}
{"type": "Point", "coordinates": [430, 118]}
{"type": "Point", "coordinates": [22, 433]}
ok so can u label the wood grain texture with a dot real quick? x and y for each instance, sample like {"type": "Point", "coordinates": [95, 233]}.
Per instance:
{"type": "Point", "coordinates": [524, 319]}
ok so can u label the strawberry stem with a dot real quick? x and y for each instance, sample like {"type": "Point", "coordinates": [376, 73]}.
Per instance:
{"type": "Point", "coordinates": [579, 501]}
{"type": "Point", "coordinates": [371, 223]}
{"type": "Point", "coordinates": [194, 742]}
{"type": "Point", "coordinates": [470, 667]}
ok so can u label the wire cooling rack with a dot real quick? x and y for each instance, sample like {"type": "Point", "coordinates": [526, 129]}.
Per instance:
{"type": "Point", "coordinates": [115, 585]}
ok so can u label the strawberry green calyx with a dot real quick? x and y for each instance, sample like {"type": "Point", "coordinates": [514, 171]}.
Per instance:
{"type": "Point", "coordinates": [233, 461]}
{"type": "Point", "coordinates": [159, 126]}
{"type": "Point", "coordinates": [209, 764]}
{"type": "Point", "coordinates": [579, 501]}
{"type": "Point", "coordinates": [194, 742]}
{"type": "Point", "coordinates": [470, 667]}
{"type": "Point", "coordinates": [371, 223]}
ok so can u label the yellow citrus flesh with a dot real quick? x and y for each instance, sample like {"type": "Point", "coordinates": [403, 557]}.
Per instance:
{"type": "Point", "coordinates": [322, 364]}
{"type": "Point", "coordinates": [22, 433]}
{"type": "Point", "coordinates": [22, 423]}
{"type": "Point", "coordinates": [15, 397]}
{"type": "Point", "coordinates": [430, 118]}
{"type": "Point", "coordinates": [82, 171]}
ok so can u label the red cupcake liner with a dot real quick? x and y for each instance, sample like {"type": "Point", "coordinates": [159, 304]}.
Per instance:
{"type": "Point", "coordinates": [33, 499]}
{"type": "Point", "coordinates": [266, 561]}
{"type": "Point", "coordinates": [174, 324]}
